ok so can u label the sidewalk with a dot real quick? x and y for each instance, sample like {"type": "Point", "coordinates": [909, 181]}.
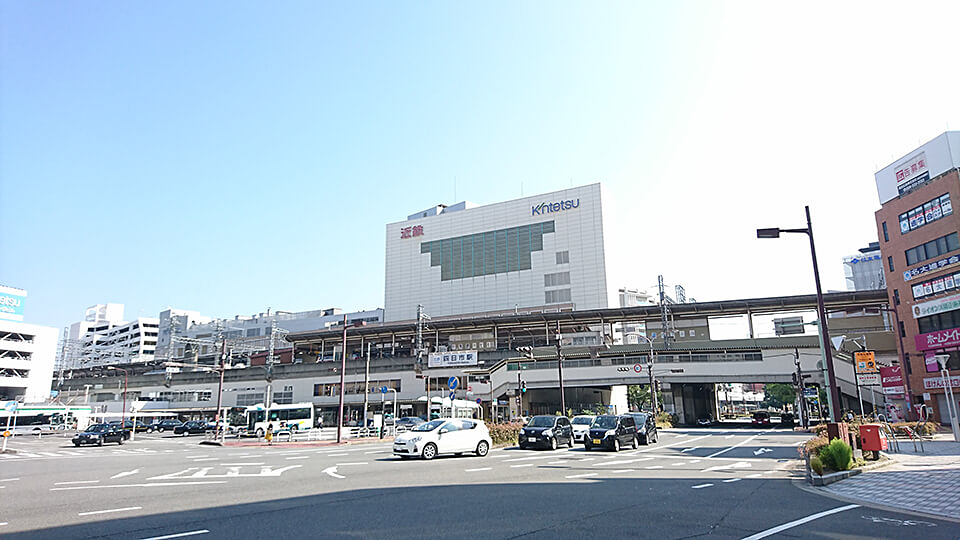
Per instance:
{"type": "Point", "coordinates": [926, 482]}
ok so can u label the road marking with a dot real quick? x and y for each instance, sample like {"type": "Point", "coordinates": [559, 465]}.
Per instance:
{"type": "Point", "coordinates": [332, 471]}
{"type": "Point", "coordinates": [678, 464]}
{"type": "Point", "coordinates": [110, 511]}
{"type": "Point", "coordinates": [761, 451]}
{"type": "Point", "coordinates": [769, 472]}
{"type": "Point", "coordinates": [478, 470]}
{"type": "Point", "coordinates": [299, 457]}
{"type": "Point", "coordinates": [561, 462]}
{"type": "Point", "coordinates": [522, 465]}
{"type": "Point", "coordinates": [621, 470]}
{"type": "Point", "coordinates": [625, 461]}
{"type": "Point", "coordinates": [9, 479]}
{"type": "Point", "coordinates": [737, 465]}
{"type": "Point", "coordinates": [50, 454]}
{"type": "Point", "coordinates": [741, 443]}
{"type": "Point", "coordinates": [694, 461]}
{"type": "Point", "coordinates": [191, 457]}
{"type": "Point", "coordinates": [698, 486]}
{"type": "Point", "coordinates": [801, 521]}
{"type": "Point", "coordinates": [2, 523]}
{"type": "Point", "coordinates": [206, 459]}
{"type": "Point", "coordinates": [354, 463]}
{"type": "Point", "coordinates": [690, 449]}
{"type": "Point", "coordinates": [337, 455]}
{"type": "Point", "coordinates": [753, 475]}
{"type": "Point", "coordinates": [729, 436]}
{"type": "Point", "coordinates": [239, 464]}
{"type": "Point", "coordinates": [584, 475]}
{"type": "Point", "coordinates": [659, 446]}
{"type": "Point", "coordinates": [729, 480]}
{"type": "Point", "coordinates": [125, 473]}
{"type": "Point", "coordinates": [158, 484]}
{"type": "Point", "coordinates": [76, 482]}
{"type": "Point", "coordinates": [178, 535]}
{"type": "Point", "coordinates": [654, 467]}
{"type": "Point", "coordinates": [527, 458]}
{"type": "Point", "coordinates": [378, 452]}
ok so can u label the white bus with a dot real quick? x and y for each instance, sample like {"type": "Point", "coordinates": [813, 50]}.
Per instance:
{"type": "Point", "coordinates": [293, 417]}
{"type": "Point", "coordinates": [32, 419]}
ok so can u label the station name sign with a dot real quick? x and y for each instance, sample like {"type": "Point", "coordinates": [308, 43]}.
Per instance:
{"type": "Point", "coordinates": [559, 206]}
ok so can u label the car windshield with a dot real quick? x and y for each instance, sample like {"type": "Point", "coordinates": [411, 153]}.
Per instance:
{"type": "Point", "coordinates": [429, 426]}
{"type": "Point", "coordinates": [583, 420]}
{"type": "Point", "coordinates": [605, 422]}
{"type": "Point", "coordinates": [761, 415]}
{"type": "Point", "coordinates": [640, 418]}
{"type": "Point", "coordinates": [97, 428]}
{"type": "Point", "coordinates": [541, 421]}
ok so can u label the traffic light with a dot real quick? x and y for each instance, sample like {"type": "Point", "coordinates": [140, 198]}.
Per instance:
{"type": "Point", "coordinates": [796, 379]}
{"type": "Point", "coordinates": [523, 387]}
{"type": "Point", "coordinates": [658, 385]}
{"type": "Point", "coordinates": [526, 352]}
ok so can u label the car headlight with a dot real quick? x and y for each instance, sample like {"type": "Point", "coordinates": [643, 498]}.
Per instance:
{"type": "Point", "coordinates": [415, 439]}
{"type": "Point", "coordinates": [523, 431]}
{"type": "Point", "coordinates": [548, 433]}
{"type": "Point", "coordinates": [610, 432]}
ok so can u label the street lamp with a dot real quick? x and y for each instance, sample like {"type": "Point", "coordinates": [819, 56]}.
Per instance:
{"type": "Point", "coordinates": [833, 395]}
{"type": "Point", "coordinates": [653, 382]}
{"type": "Point", "coordinates": [563, 402]}
{"type": "Point", "coordinates": [123, 412]}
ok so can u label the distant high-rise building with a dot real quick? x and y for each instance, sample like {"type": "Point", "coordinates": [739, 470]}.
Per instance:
{"type": "Point", "coordinates": [864, 271]}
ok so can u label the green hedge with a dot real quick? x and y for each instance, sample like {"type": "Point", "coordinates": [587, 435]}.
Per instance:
{"type": "Point", "coordinates": [837, 455]}
{"type": "Point", "coordinates": [505, 433]}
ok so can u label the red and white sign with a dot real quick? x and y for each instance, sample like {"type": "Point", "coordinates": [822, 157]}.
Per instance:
{"type": "Point", "coordinates": [915, 166]}
{"type": "Point", "coordinates": [937, 340]}
{"type": "Point", "coordinates": [410, 232]}
{"type": "Point", "coordinates": [868, 379]}
{"type": "Point", "coordinates": [933, 383]}
{"type": "Point", "coordinates": [892, 380]}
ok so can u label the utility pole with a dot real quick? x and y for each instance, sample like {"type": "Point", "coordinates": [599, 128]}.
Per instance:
{"type": "Point", "coordinates": [343, 370]}
{"type": "Point", "coordinates": [563, 403]}
{"type": "Point", "coordinates": [421, 316]}
{"type": "Point", "coordinates": [663, 314]}
{"type": "Point", "coordinates": [366, 386]}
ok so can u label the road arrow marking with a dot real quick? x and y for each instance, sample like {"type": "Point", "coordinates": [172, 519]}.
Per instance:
{"type": "Point", "coordinates": [737, 465]}
{"type": "Point", "coordinates": [761, 451]}
{"type": "Point", "coordinates": [332, 471]}
{"type": "Point", "coordinates": [125, 473]}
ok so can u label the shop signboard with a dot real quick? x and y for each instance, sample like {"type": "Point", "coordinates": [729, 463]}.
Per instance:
{"type": "Point", "coordinates": [940, 305]}
{"type": "Point", "coordinates": [868, 379]}
{"type": "Point", "coordinates": [865, 362]}
{"type": "Point", "coordinates": [937, 340]}
{"type": "Point", "coordinates": [452, 359]}
{"type": "Point", "coordinates": [934, 383]}
{"type": "Point", "coordinates": [11, 303]}
{"type": "Point", "coordinates": [892, 380]}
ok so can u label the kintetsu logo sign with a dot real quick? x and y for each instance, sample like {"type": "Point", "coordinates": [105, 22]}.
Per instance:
{"type": "Point", "coordinates": [559, 206]}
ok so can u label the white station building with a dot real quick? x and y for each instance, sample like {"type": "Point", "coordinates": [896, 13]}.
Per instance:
{"type": "Point", "coordinates": [534, 254]}
{"type": "Point", "coordinates": [27, 351]}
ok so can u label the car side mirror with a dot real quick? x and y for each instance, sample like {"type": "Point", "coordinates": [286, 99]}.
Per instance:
{"type": "Point", "coordinates": [442, 431]}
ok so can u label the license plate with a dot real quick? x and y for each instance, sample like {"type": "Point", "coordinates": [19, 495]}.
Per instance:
{"type": "Point", "coordinates": [531, 439]}
{"type": "Point", "coordinates": [596, 441]}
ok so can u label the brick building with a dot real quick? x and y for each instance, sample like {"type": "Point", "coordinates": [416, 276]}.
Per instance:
{"type": "Point", "coordinates": [920, 250]}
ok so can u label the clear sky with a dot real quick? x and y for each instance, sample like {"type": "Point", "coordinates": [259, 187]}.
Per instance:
{"type": "Point", "coordinates": [226, 157]}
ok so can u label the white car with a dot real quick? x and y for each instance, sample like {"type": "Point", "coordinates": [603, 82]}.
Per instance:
{"type": "Point", "coordinates": [444, 436]}
{"type": "Point", "coordinates": [581, 425]}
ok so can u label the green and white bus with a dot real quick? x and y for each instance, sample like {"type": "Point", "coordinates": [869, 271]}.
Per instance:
{"type": "Point", "coordinates": [292, 417]}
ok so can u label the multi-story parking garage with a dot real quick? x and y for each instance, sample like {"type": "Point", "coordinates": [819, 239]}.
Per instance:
{"type": "Point", "coordinates": [482, 353]}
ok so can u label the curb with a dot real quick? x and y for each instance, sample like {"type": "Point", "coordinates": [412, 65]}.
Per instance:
{"type": "Point", "coordinates": [827, 479]}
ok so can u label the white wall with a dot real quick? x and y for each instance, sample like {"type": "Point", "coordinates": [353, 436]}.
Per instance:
{"type": "Point", "coordinates": [43, 354]}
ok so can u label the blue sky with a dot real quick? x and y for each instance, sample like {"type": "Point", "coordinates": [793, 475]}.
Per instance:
{"type": "Point", "coordinates": [228, 157]}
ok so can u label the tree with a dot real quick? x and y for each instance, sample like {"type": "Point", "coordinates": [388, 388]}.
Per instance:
{"type": "Point", "coordinates": [638, 396]}
{"type": "Point", "coordinates": [777, 395]}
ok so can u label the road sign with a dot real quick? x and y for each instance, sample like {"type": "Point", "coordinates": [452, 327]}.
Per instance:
{"type": "Point", "coordinates": [638, 368]}
{"type": "Point", "coordinates": [383, 389]}
{"type": "Point", "coordinates": [10, 406]}
{"type": "Point", "coordinates": [868, 379]}
{"type": "Point", "coordinates": [479, 400]}
{"type": "Point", "coordinates": [452, 383]}
{"type": "Point", "coordinates": [453, 394]}
{"type": "Point", "coordinates": [809, 392]}
{"type": "Point", "coordinates": [865, 362]}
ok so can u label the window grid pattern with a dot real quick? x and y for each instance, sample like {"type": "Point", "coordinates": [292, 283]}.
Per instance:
{"type": "Point", "coordinates": [486, 253]}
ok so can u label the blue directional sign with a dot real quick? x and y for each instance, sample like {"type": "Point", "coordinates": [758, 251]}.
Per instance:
{"type": "Point", "coordinates": [452, 383]}
{"type": "Point", "coordinates": [453, 394]}
{"type": "Point", "coordinates": [383, 389]}
{"type": "Point", "coordinates": [479, 400]}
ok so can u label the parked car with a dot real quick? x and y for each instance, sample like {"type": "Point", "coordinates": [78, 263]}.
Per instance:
{"type": "Point", "coordinates": [646, 427]}
{"type": "Point", "coordinates": [612, 432]}
{"type": "Point", "coordinates": [546, 432]}
{"type": "Point", "coordinates": [408, 422]}
{"type": "Point", "coordinates": [705, 421]}
{"type": "Point", "coordinates": [98, 434]}
{"type": "Point", "coordinates": [444, 436]}
{"type": "Point", "coordinates": [128, 425]}
{"type": "Point", "coordinates": [581, 425]}
{"type": "Point", "coordinates": [761, 418]}
{"type": "Point", "coordinates": [165, 425]}
{"type": "Point", "coordinates": [191, 427]}
{"type": "Point", "coordinates": [787, 419]}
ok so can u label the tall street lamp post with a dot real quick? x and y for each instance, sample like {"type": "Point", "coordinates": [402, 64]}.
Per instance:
{"type": "Point", "coordinates": [654, 404]}
{"type": "Point", "coordinates": [343, 370]}
{"type": "Point", "coordinates": [563, 402]}
{"type": "Point", "coordinates": [833, 395]}
{"type": "Point", "coordinates": [123, 412]}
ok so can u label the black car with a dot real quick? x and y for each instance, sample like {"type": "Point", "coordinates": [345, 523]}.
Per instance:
{"type": "Point", "coordinates": [164, 425]}
{"type": "Point", "coordinates": [409, 422]}
{"type": "Point", "coordinates": [191, 427]}
{"type": "Point", "coordinates": [612, 432]}
{"type": "Point", "coordinates": [98, 434]}
{"type": "Point", "coordinates": [547, 432]}
{"type": "Point", "coordinates": [646, 427]}
{"type": "Point", "coordinates": [128, 426]}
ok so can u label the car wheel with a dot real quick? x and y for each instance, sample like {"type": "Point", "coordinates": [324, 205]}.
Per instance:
{"type": "Point", "coordinates": [159, 430]}
{"type": "Point", "coordinates": [76, 444]}
{"type": "Point", "coordinates": [634, 444]}
{"type": "Point", "coordinates": [482, 448]}
{"type": "Point", "coordinates": [100, 442]}
{"type": "Point", "coordinates": [429, 451]}
{"type": "Point", "coordinates": [656, 437]}
{"type": "Point", "coordinates": [587, 447]}
{"type": "Point", "coordinates": [570, 442]}
{"type": "Point", "coordinates": [185, 433]}
{"type": "Point", "coordinates": [120, 441]}
{"type": "Point", "coordinates": [553, 443]}
{"type": "Point", "coordinates": [259, 433]}
{"type": "Point", "coordinates": [645, 440]}
{"type": "Point", "coordinates": [616, 444]}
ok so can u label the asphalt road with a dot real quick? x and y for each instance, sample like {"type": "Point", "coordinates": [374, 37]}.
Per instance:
{"type": "Point", "coordinates": [722, 483]}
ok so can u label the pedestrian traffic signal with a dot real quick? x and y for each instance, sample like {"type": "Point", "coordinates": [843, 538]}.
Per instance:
{"type": "Point", "coordinates": [523, 387]}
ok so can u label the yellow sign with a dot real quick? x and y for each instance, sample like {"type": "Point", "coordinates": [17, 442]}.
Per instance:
{"type": "Point", "coordinates": [865, 362]}
{"type": "Point", "coordinates": [6, 433]}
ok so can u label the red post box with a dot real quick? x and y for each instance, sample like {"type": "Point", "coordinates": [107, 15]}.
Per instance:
{"type": "Point", "coordinates": [872, 438]}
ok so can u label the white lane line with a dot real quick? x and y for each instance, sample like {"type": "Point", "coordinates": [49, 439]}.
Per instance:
{"type": "Point", "coordinates": [206, 459]}
{"type": "Point", "coordinates": [124, 473]}
{"type": "Point", "coordinates": [240, 464]}
{"type": "Point", "coordinates": [698, 486]}
{"type": "Point", "coordinates": [741, 443]}
{"type": "Point", "coordinates": [584, 475]}
{"type": "Point", "coordinates": [76, 482]}
{"type": "Point", "coordinates": [522, 465]}
{"type": "Point", "coordinates": [378, 452]}
{"type": "Point", "coordinates": [478, 470]}
{"type": "Point", "coordinates": [251, 456]}
{"type": "Point", "coordinates": [3, 487]}
{"type": "Point", "coordinates": [654, 467]}
{"type": "Point", "coordinates": [683, 442]}
{"type": "Point", "coordinates": [801, 521]}
{"type": "Point", "coordinates": [753, 475]}
{"type": "Point", "coordinates": [621, 470]}
{"type": "Point", "coordinates": [561, 462]}
{"type": "Point", "coordinates": [191, 457]}
{"type": "Point", "coordinates": [690, 449]}
{"type": "Point", "coordinates": [110, 511]}
{"type": "Point", "coordinates": [729, 436]}
{"type": "Point", "coordinates": [299, 457]}
{"type": "Point", "coordinates": [158, 484]}
{"type": "Point", "coordinates": [727, 481]}
{"type": "Point", "coordinates": [50, 454]}
{"type": "Point", "coordinates": [337, 455]}
{"type": "Point", "coordinates": [178, 535]}
{"type": "Point", "coordinates": [9, 479]}
{"type": "Point", "coordinates": [769, 472]}
{"type": "Point", "coordinates": [527, 458]}
{"type": "Point", "coordinates": [678, 464]}
{"type": "Point", "coordinates": [2, 523]}
{"type": "Point", "coordinates": [694, 461]}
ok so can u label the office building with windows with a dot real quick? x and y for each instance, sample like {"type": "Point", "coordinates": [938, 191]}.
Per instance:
{"type": "Point", "coordinates": [537, 253]}
{"type": "Point", "coordinates": [920, 253]}
{"type": "Point", "coordinates": [864, 271]}
{"type": "Point", "coordinates": [27, 351]}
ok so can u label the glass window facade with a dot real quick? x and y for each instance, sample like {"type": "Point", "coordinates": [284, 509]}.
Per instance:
{"type": "Point", "coordinates": [491, 252]}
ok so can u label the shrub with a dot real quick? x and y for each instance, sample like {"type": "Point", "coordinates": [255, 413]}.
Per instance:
{"type": "Point", "coordinates": [836, 455]}
{"type": "Point", "coordinates": [667, 420]}
{"type": "Point", "coordinates": [929, 428]}
{"type": "Point", "coordinates": [816, 465]}
{"type": "Point", "coordinates": [506, 433]}
{"type": "Point", "coordinates": [813, 446]}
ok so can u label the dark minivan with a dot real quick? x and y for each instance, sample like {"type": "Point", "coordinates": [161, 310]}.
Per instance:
{"type": "Point", "coordinates": [547, 432]}
{"type": "Point", "coordinates": [612, 432]}
{"type": "Point", "coordinates": [646, 427]}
